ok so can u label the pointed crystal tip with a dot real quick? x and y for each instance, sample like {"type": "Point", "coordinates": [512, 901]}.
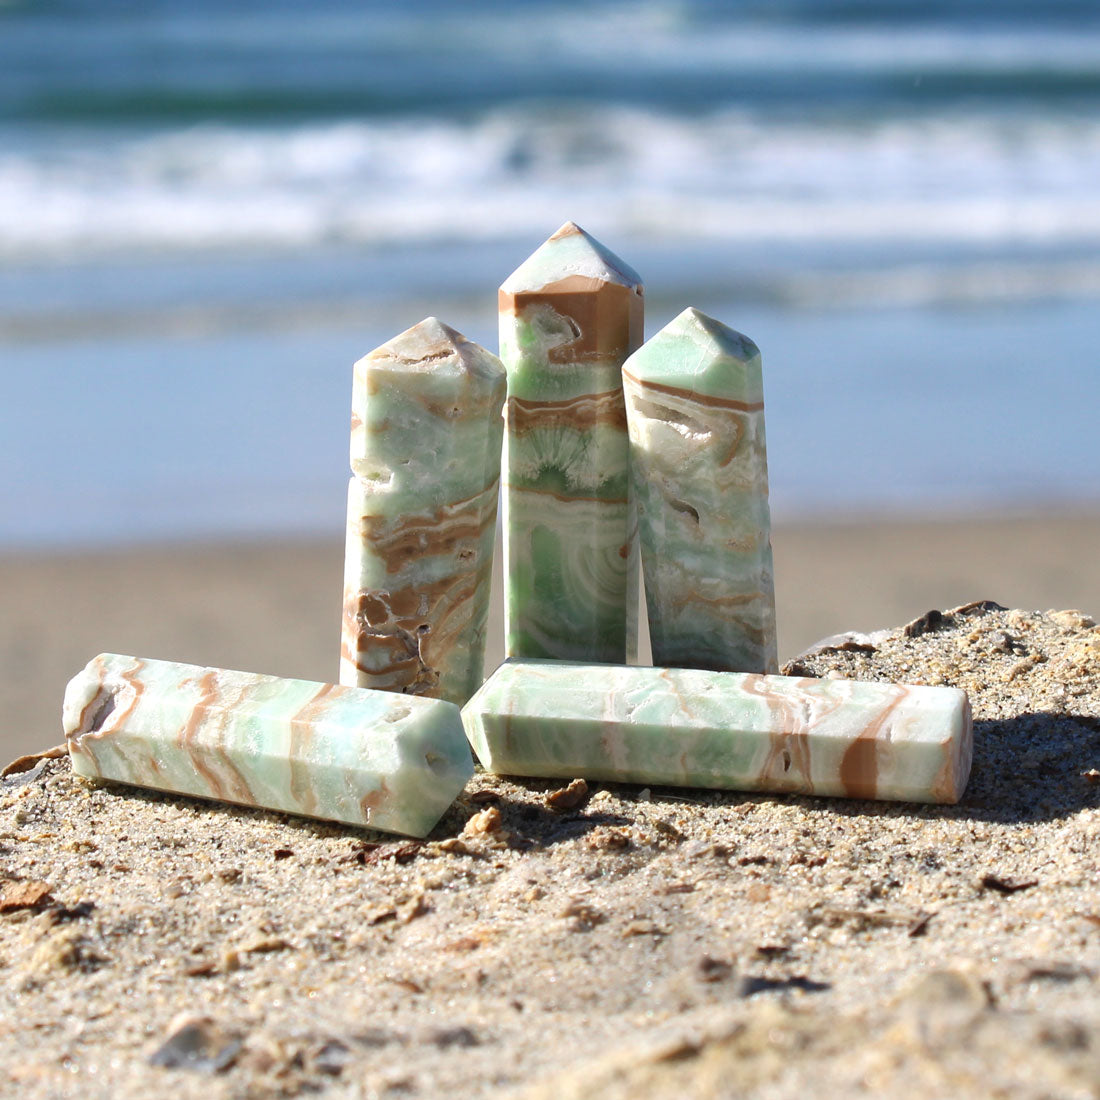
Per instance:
{"type": "Point", "coordinates": [697, 349]}
{"type": "Point", "coordinates": [709, 331]}
{"type": "Point", "coordinates": [430, 339]}
{"type": "Point", "coordinates": [569, 229]}
{"type": "Point", "coordinates": [711, 336]}
{"type": "Point", "coordinates": [432, 345]}
{"type": "Point", "coordinates": [571, 253]}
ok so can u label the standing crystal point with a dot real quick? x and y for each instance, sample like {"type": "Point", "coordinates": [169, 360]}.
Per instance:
{"type": "Point", "coordinates": [340, 753]}
{"type": "Point", "coordinates": [726, 730]}
{"type": "Point", "coordinates": [695, 407]}
{"type": "Point", "coordinates": [569, 317]}
{"type": "Point", "coordinates": [422, 508]}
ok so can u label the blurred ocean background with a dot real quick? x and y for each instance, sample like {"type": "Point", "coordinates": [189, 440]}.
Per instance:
{"type": "Point", "coordinates": [209, 210]}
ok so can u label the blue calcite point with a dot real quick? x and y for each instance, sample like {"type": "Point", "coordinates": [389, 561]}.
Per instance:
{"type": "Point", "coordinates": [345, 754]}
{"type": "Point", "coordinates": [724, 730]}
{"type": "Point", "coordinates": [422, 509]}
{"type": "Point", "coordinates": [695, 409]}
{"type": "Point", "coordinates": [569, 317]}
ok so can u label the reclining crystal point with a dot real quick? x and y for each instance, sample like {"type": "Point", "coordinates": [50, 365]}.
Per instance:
{"type": "Point", "coordinates": [354, 755]}
{"type": "Point", "coordinates": [725, 730]}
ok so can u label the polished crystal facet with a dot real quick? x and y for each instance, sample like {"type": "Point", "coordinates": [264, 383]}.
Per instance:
{"type": "Point", "coordinates": [695, 407]}
{"type": "Point", "coordinates": [569, 317]}
{"type": "Point", "coordinates": [422, 507]}
{"type": "Point", "coordinates": [729, 730]}
{"type": "Point", "coordinates": [345, 754]}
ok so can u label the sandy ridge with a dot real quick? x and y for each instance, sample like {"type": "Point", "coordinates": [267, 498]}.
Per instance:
{"type": "Point", "coordinates": [669, 943]}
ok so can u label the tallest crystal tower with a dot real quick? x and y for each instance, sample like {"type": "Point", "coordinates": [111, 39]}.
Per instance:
{"type": "Point", "coordinates": [569, 317]}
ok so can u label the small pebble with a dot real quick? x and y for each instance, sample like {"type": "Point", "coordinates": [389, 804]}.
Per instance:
{"type": "Point", "coordinates": [199, 1044]}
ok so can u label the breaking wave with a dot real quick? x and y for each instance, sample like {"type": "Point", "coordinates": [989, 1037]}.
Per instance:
{"type": "Point", "coordinates": [967, 177]}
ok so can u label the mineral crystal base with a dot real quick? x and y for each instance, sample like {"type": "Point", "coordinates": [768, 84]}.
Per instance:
{"type": "Point", "coordinates": [359, 756]}
{"type": "Point", "coordinates": [726, 730]}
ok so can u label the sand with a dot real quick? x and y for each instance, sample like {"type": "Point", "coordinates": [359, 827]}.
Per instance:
{"type": "Point", "coordinates": [664, 943]}
{"type": "Point", "coordinates": [275, 607]}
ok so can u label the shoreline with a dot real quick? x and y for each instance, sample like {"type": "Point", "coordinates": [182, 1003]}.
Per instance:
{"type": "Point", "coordinates": [273, 605]}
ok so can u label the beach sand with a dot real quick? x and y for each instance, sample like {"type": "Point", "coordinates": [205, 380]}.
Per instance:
{"type": "Point", "coordinates": [631, 943]}
{"type": "Point", "coordinates": [275, 606]}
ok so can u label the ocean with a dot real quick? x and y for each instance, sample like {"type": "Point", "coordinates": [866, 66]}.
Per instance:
{"type": "Point", "coordinates": [209, 211]}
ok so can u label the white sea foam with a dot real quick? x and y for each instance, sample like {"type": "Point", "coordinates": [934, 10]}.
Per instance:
{"type": "Point", "coordinates": [963, 177]}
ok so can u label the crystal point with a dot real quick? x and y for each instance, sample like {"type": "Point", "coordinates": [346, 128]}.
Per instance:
{"type": "Point", "coordinates": [570, 254]}
{"type": "Point", "coordinates": [344, 754]}
{"type": "Point", "coordinates": [422, 506]}
{"type": "Point", "coordinates": [723, 730]}
{"type": "Point", "coordinates": [569, 316]}
{"type": "Point", "coordinates": [695, 409]}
